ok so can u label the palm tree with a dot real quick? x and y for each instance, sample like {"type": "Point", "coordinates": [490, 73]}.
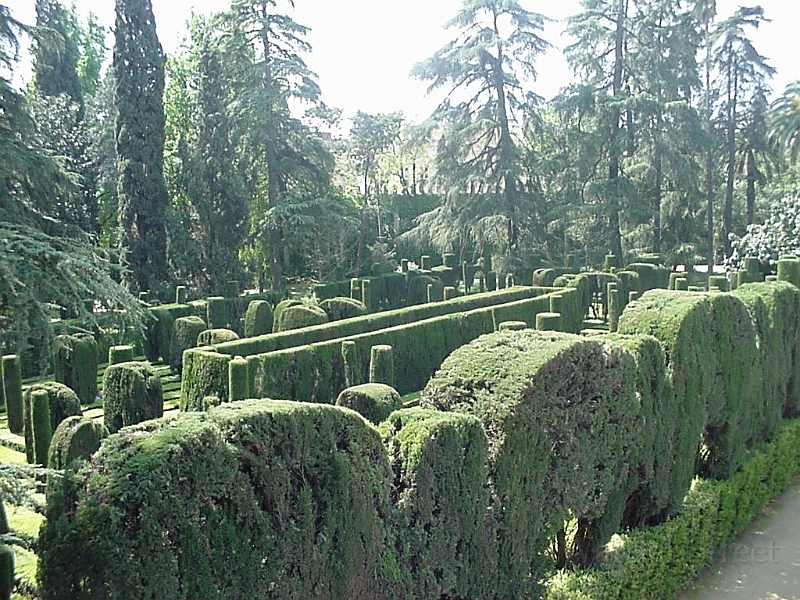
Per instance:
{"type": "Point", "coordinates": [783, 120]}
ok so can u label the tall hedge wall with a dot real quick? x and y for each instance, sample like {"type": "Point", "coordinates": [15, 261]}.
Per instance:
{"type": "Point", "coordinates": [257, 499]}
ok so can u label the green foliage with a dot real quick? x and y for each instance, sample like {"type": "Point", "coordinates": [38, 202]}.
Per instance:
{"type": "Point", "coordinates": [253, 496]}
{"type": "Point", "coordinates": [373, 401]}
{"type": "Point", "coordinates": [258, 318]}
{"type": "Point", "coordinates": [138, 68]}
{"type": "Point", "coordinates": [341, 307]}
{"type": "Point", "coordinates": [444, 532]}
{"type": "Point", "coordinates": [381, 364]}
{"type": "Point", "coordinates": [12, 392]}
{"type": "Point", "coordinates": [659, 561]}
{"type": "Point", "coordinates": [210, 337]}
{"type": "Point", "coordinates": [535, 393]}
{"type": "Point", "coordinates": [185, 334]}
{"type": "Point", "coordinates": [62, 402]}
{"type": "Point", "coordinates": [75, 438]}
{"type": "Point", "coordinates": [680, 321]}
{"type": "Point", "coordinates": [132, 393]}
{"type": "Point", "coordinates": [75, 363]}
{"type": "Point", "coordinates": [299, 316]}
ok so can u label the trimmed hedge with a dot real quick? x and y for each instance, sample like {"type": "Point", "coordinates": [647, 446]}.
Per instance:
{"type": "Point", "coordinates": [185, 331]}
{"type": "Point", "coordinates": [444, 532]}
{"type": "Point", "coordinates": [681, 322]}
{"type": "Point", "coordinates": [75, 362]}
{"type": "Point", "coordinates": [208, 337]}
{"type": "Point", "coordinates": [75, 438]}
{"type": "Point", "coordinates": [258, 318]}
{"type": "Point", "coordinates": [560, 412]}
{"type": "Point", "coordinates": [63, 402]}
{"type": "Point", "coordinates": [343, 308]}
{"type": "Point", "coordinates": [252, 499]}
{"type": "Point", "coordinates": [373, 401]}
{"type": "Point", "coordinates": [298, 316]}
{"type": "Point", "coordinates": [658, 562]}
{"type": "Point", "coordinates": [274, 370]}
{"type": "Point", "coordinates": [12, 392]}
{"type": "Point", "coordinates": [132, 393]}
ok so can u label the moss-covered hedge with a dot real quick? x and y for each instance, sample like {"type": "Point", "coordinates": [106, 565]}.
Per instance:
{"type": "Point", "coordinates": [75, 361]}
{"type": "Point", "coordinates": [315, 353]}
{"type": "Point", "coordinates": [373, 401]}
{"type": "Point", "coordinates": [132, 393]}
{"type": "Point", "coordinates": [561, 414]}
{"type": "Point", "coordinates": [257, 499]}
{"type": "Point", "coordinates": [658, 562]}
{"type": "Point", "coordinates": [75, 438]}
{"type": "Point", "coordinates": [63, 402]}
{"type": "Point", "coordinates": [444, 532]}
{"type": "Point", "coordinates": [342, 307]}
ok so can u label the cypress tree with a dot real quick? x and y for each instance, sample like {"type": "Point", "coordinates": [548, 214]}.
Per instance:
{"type": "Point", "coordinates": [139, 73]}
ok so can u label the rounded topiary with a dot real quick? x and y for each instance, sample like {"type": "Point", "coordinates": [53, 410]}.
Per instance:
{"type": "Point", "coordinates": [257, 318]}
{"type": "Point", "coordinates": [209, 337]}
{"type": "Point", "coordinates": [132, 393]}
{"type": "Point", "coordinates": [279, 308]}
{"type": "Point", "coordinates": [300, 315]}
{"type": "Point", "coordinates": [562, 416]}
{"type": "Point", "coordinates": [75, 438]}
{"type": "Point", "coordinates": [512, 325]}
{"type": "Point", "coordinates": [184, 336]}
{"type": "Point", "coordinates": [343, 308]}
{"type": "Point", "coordinates": [373, 401]}
{"type": "Point", "coordinates": [62, 402]}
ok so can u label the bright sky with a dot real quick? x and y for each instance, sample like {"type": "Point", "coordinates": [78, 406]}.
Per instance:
{"type": "Point", "coordinates": [363, 50]}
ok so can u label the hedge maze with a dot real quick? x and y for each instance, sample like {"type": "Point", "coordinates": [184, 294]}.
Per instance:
{"type": "Point", "coordinates": [292, 469]}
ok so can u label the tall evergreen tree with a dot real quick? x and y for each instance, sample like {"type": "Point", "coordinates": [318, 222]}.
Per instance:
{"type": "Point", "coordinates": [266, 45]}
{"type": "Point", "coordinates": [484, 70]}
{"type": "Point", "coordinates": [369, 136]}
{"type": "Point", "coordinates": [55, 66]}
{"type": "Point", "coordinates": [743, 74]}
{"type": "Point", "coordinates": [139, 74]}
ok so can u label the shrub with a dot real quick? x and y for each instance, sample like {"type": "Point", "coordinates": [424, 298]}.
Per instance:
{"type": "Point", "coordinates": [185, 331]}
{"type": "Point", "coordinates": [535, 394]}
{"type": "Point", "coordinates": [381, 364]}
{"type": "Point", "coordinates": [680, 321]}
{"type": "Point", "coordinates": [252, 498]}
{"type": "Point", "coordinates": [75, 364]}
{"type": "Point", "coordinates": [209, 337]}
{"type": "Point", "coordinates": [373, 401]}
{"type": "Point", "coordinates": [132, 393]}
{"type": "Point", "coordinates": [298, 316]}
{"type": "Point", "coordinates": [75, 438]}
{"type": "Point", "coordinates": [12, 391]}
{"type": "Point", "coordinates": [118, 354]}
{"type": "Point", "coordinates": [258, 318]}
{"type": "Point", "coordinates": [343, 308]}
{"type": "Point", "coordinates": [63, 402]}
{"type": "Point", "coordinates": [444, 532]}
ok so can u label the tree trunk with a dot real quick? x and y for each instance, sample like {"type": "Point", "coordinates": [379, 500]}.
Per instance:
{"type": "Point", "coordinates": [614, 158]}
{"type": "Point", "coordinates": [752, 175]}
{"type": "Point", "coordinates": [727, 216]}
{"type": "Point", "coordinates": [658, 174]}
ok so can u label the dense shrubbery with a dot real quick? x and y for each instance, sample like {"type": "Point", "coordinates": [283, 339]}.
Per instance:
{"type": "Point", "coordinates": [523, 438]}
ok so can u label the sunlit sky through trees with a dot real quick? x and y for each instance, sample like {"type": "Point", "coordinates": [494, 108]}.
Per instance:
{"type": "Point", "coordinates": [363, 50]}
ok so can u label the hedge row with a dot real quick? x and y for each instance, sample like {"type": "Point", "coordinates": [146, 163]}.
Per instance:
{"type": "Point", "coordinates": [316, 371]}
{"type": "Point", "coordinates": [518, 434]}
{"type": "Point", "coordinates": [660, 561]}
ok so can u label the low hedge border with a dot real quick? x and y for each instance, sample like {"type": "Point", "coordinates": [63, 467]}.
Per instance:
{"type": "Point", "coordinates": [659, 561]}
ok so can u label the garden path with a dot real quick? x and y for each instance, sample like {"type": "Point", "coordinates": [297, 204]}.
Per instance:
{"type": "Point", "coordinates": [763, 563]}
